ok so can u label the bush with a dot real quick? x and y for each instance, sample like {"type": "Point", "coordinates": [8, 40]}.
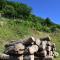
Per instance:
{"type": "Point", "coordinates": [17, 10]}
{"type": "Point", "coordinates": [53, 28]}
{"type": "Point", "coordinates": [2, 4]}
{"type": "Point", "coordinates": [45, 29]}
{"type": "Point", "coordinates": [47, 22]}
{"type": "Point", "coordinates": [9, 11]}
{"type": "Point", "coordinates": [22, 10]}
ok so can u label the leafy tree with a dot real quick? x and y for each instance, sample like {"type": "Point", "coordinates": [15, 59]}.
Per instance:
{"type": "Point", "coordinates": [9, 11]}
{"type": "Point", "coordinates": [34, 18]}
{"type": "Point", "coordinates": [22, 10]}
{"type": "Point", "coordinates": [2, 4]}
{"type": "Point", "coordinates": [47, 22]}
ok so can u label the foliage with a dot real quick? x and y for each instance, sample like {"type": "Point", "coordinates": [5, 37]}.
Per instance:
{"type": "Point", "coordinates": [21, 10]}
{"type": "Point", "coordinates": [24, 23]}
{"type": "Point", "coordinates": [9, 11]}
{"type": "Point", "coordinates": [47, 22]}
{"type": "Point", "coordinates": [2, 4]}
{"type": "Point", "coordinates": [58, 26]}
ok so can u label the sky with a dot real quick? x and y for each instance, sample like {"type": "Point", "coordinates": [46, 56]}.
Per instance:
{"type": "Point", "coordinates": [44, 8]}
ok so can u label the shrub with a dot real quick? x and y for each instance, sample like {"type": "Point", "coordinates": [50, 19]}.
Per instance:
{"type": "Point", "coordinates": [9, 11]}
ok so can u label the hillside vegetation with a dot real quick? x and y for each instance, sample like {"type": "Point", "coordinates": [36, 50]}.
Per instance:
{"type": "Point", "coordinates": [18, 22]}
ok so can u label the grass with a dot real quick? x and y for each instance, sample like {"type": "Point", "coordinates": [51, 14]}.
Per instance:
{"type": "Point", "coordinates": [12, 30]}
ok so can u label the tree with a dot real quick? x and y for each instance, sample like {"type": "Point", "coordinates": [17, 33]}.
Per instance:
{"type": "Point", "coordinates": [48, 22]}
{"type": "Point", "coordinates": [9, 11]}
{"type": "Point", "coordinates": [22, 10]}
{"type": "Point", "coordinates": [2, 4]}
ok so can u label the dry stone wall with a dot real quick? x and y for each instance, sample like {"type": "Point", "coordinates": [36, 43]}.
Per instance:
{"type": "Point", "coordinates": [30, 49]}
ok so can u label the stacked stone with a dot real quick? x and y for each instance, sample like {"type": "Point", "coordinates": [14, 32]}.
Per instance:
{"type": "Point", "coordinates": [30, 49]}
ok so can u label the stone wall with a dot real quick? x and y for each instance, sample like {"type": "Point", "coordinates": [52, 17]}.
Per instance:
{"type": "Point", "coordinates": [30, 49]}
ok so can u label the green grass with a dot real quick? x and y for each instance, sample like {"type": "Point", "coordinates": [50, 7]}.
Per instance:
{"type": "Point", "coordinates": [12, 30]}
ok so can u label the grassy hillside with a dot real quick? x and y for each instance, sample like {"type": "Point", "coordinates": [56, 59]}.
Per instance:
{"type": "Point", "coordinates": [19, 23]}
{"type": "Point", "coordinates": [12, 30]}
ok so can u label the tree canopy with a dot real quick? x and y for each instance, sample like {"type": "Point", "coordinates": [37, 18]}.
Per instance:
{"type": "Point", "coordinates": [21, 10]}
